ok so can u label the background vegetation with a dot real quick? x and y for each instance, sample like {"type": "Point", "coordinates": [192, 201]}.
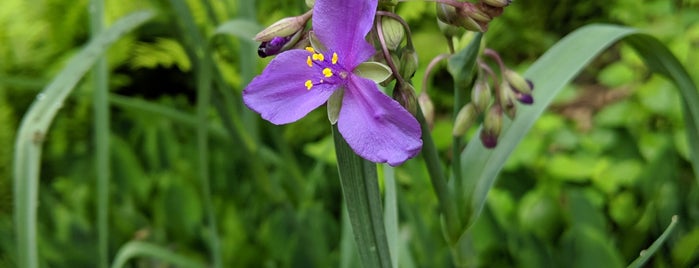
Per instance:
{"type": "Point", "coordinates": [595, 181]}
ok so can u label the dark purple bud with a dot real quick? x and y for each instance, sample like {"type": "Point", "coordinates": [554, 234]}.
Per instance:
{"type": "Point", "coordinates": [524, 98]}
{"type": "Point", "coordinates": [492, 125]}
{"type": "Point", "coordinates": [489, 139]}
{"type": "Point", "coordinates": [272, 47]}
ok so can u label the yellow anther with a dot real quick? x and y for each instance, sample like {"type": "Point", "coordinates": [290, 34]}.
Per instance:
{"type": "Point", "coordinates": [310, 49]}
{"type": "Point", "coordinates": [309, 62]}
{"type": "Point", "coordinates": [334, 60]}
{"type": "Point", "coordinates": [327, 72]}
{"type": "Point", "coordinates": [318, 56]}
{"type": "Point", "coordinates": [309, 84]}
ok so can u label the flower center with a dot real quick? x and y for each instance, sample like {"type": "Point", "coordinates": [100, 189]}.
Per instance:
{"type": "Point", "coordinates": [329, 68]}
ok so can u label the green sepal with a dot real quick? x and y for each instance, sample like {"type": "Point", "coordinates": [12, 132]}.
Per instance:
{"type": "Point", "coordinates": [375, 71]}
{"type": "Point", "coordinates": [335, 104]}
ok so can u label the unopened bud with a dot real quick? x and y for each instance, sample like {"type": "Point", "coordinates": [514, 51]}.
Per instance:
{"type": "Point", "coordinates": [404, 93]}
{"type": "Point", "coordinates": [469, 10]}
{"type": "Point", "coordinates": [464, 119]}
{"type": "Point", "coordinates": [524, 98]}
{"type": "Point", "coordinates": [497, 3]}
{"type": "Point", "coordinates": [507, 100]}
{"type": "Point", "coordinates": [449, 31]}
{"type": "Point", "coordinates": [451, 15]}
{"type": "Point", "coordinates": [492, 125]}
{"type": "Point", "coordinates": [427, 108]}
{"type": "Point", "coordinates": [408, 62]}
{"type": "Point", "coordinates": [481, 95]}
{"type": "Point", "coordinates": [284, 27]}
{"type": "Point", "coordinates": [310, 3]}
{"type": "Point", "coordinates": [278, 45]}
{"type": "Point", "coordinates": [393, 32]}
{"type": "Point", "coordinates": [518, 83]}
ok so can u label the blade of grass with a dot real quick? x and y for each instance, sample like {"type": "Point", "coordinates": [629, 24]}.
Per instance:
{"type": "Point", "coordinates": [34, 127]}
{"type": "Point", "coordinates": [100, 104]}
{"type": "Point", "coordinates": [135, 249]}
{"type": "Point", "coordinates": [360, 189]}
{"type": "Point", "coordinates": [391, 212]}
{"type": "Point", "coordinates": [555, 69]}
{"type": "Point", "coordinates": [646, 254]}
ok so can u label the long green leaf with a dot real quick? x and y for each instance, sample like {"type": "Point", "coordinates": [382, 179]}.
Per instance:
{"type": "Point", "coordinates": [360, 189]}
{"type": "Point", "coordinates": [391, 212]}
{"type": "Point", "coordinates": [646, 254]}
{"type": "Point", "coordinates": [35, 125]}
{"type": "Point", "coordinates": [550, 73]}
{"type": "Point", "coordinates": [135, 249]}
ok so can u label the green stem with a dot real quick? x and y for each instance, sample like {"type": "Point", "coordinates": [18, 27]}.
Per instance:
{"type": "Point", "coordinates": [439, 182]}
{"type": "Point", "coordinates": [100, 105]}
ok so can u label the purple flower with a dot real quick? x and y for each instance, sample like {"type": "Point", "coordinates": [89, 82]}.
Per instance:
{"type": "Point", "coordinates": [298, 81]}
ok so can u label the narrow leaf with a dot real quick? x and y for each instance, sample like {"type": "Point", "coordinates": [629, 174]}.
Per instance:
{"type": "Point", "coordinates": [646, 254]}
{"type": "Point", "coordinates": [136, 249]}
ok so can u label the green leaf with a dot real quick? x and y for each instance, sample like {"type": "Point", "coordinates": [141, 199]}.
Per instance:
{"type": "Point", "coordinates": [360, 189]}
{"type": "Point", "coordinates": [551, 73]}
{"type": "Point", "coordinates": [375, 71]}
{"type": "Point", "coordinates": [35, 125]}
{"type": "Point", "coordinates": [460, 66]}
{"type": "Point", "coordinates": [646, 254]}
{"type": "Point", "coordinates": [135, 249]}
{"type": "Point", "coordinates": [391, 212]}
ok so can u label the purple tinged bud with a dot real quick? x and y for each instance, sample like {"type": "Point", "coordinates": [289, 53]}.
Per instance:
{"type": "Point", "coordinates": [518, 82]}
{"type": "Point", "coordinates": [272, 47]}
{"type": "Point", "coordinates": [450, 15]}
{"type": "Point", "coordinates": [464, 119]}
{"type": "Point", "coordinates": [481, 95]}
{"type": "Point", "coordinates": [492, 125]}
{"type": "Point", "coordinates": [427, 108]}
{"type": "Point", "coordinates": [404, 93]}
{"type": "Point", "coordinates": [507, 99]}
{"type": "Point", "coordinates": [284, 27]}
{"type": "Point", "coordinates": [469, 10]}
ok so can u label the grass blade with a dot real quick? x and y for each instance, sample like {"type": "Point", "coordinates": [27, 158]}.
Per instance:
{"type": "Point", "coordinates": [360, 189]}
{"type": "Point", "coordinates": [34, 127]}
{"type": "Point", "coordinates": [135, 249]}
{"type": "Point", "coordinates": [391, 212]}
{"type": "Point", "coordinates": [646, 254]}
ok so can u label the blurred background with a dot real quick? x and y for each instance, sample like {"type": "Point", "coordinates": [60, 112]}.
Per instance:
{"type": "Point", "coordinates": [596, 180]}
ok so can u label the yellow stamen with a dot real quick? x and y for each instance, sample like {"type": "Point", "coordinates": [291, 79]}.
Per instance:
{"type": "Point", "coordinates": [310, 49]}
{"type": "Point", "coordinates": [318, 56]}
{"type": "Point", "coordinates": [309, 84]}
{"type": "Point", "coordinates": [334, 60]}
{"type": "Point", "coordinates": [327, 72]}
{"type": "Point", "coordinates": [309, 62]}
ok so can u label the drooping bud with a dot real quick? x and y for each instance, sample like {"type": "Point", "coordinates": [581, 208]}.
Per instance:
{"type": "Point", "coordinates": [469, 10]}
{"type": "Point", "coordinates": [393, 32]}
{"type": "Point", "coordinates": [278, 45]}
{"type": "Point", "coordinates": [284, 27]}
{"type": "Point", "coordinates": [404, 93]}
{"type": "Point", "coordinates": [492, 125]}
{"type": "Point", "coordinates": [427, 108]}
{"type": "Point", "coordinates": [408, 62]}
{"type": "Point", "coordinates": [450, 15]}
{"type": "Point", "coordinates": [464, 119]}
{"type": "Point", "coordinates": [518, 83]}
{"type": "Point", "coordinates": [507, 100]}
{"type": "Point", "coordinates": [481, 95]}
{"type": "Point", "coordinates": [497, 3]}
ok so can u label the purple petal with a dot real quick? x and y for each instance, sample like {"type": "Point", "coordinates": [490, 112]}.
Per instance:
{"type": "Point", "coordinates": [375, 126]}
{"type": "Point", "coordinates": [342, 25]}
{"type": "Point", "coordinates": [279, 94]}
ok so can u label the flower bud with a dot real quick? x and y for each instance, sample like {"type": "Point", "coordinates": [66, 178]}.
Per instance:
{"type": "Point", "coordinates": [393, 32]}
{"type": "Point", "coordinates": [497, 3]}
{"type": "Point", "coordinates": [481, 95]}
{"type": "Point", "coordinates": [492, 125]}
{"type": "Point", "coordinates": [284, 27]}
{"type": "Point", "coordinates": [404, 93]}
{"type": "Point", "coordinates": [408, 62]}
{"type": "Point", "coordinates": [450, 15]}
{"type": "Point", "coordinates": [476, 14]}
{"type": "Point", "coordinates": [464, 119]}
{"type": "Point", "coordinates": [518, 83]}
{"type": "Point", "coordinates": [507, 100]}
{"type": "Point", "coordinates": [278, 45]}
{"type": "Point", "coordinates": [524, 98]}
{"type": "Point", "coordinates": [310, 3]}
{"type": "Point", "coordinates": [427, 108]}
{"type": "Point", "coordinates": [449, 31]}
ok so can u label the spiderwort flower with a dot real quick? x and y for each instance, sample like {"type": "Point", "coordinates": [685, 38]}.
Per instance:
{"type": "Point", "coordinates": [298, 81]}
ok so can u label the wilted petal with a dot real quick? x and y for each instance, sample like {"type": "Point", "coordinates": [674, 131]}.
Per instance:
{"type": "Point", "coordinates": [279, 94]}
{"type": "Point", "coordinates": [376, 126]}
{"type": "Point", "coordinates": [342, 25]}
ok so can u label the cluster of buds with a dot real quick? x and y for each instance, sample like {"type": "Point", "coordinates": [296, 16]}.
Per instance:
{"type": "Point", "coordinates": [490, 103]}
{"type": "Point", "coordinates": [470, 16]}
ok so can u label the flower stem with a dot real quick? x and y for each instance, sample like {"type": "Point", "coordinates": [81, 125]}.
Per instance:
{"type": "Point", "coordinates": [439, 182]}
